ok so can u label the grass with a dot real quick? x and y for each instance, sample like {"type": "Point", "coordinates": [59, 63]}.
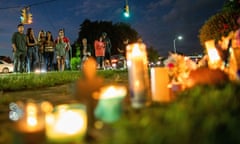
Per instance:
{"type": "Point", "coordinates": [16, 82]}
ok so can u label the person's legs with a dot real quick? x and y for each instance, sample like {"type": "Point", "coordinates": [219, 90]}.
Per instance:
{"type": "Point", "coordinates": [30, 59]}
{"type": "Point", "coordinates": [67, 60]}
{"type": "Point", "coordinates": [46, 57]}
{"type": "Point", "coordinates": [84, 58]}
{"type": "Point", "coordinates": [109, 58]}
{"type": "Point", "coordinates": [15, 62]}
{"type": "Point", "coordinates": [59, 63]}
{"type": "Point", "coordinates": [34, 58]}
{"type": "Point", "coordinates": [98, 61]}
{"type": "Point", "coordinates": [102, 62]}
{"type": "Point", "coordinates": [63, 63]}
{"type": "Point", "coordinates": [22, 61]}
{"type": "Point", "coordinates": [51, 55]}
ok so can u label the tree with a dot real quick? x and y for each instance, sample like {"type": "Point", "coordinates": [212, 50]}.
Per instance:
{"type": "Point", "coordinates": [221, 23]}
{"type": "Point", "coordinates": [116, 32]}
{"type": "Point", "coordinates": [153, 54]}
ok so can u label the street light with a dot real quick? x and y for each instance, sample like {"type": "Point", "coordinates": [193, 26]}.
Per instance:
{"type": "Point", "coordinates": [174, 41]}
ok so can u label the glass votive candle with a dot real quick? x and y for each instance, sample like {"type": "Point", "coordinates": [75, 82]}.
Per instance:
{"type": "Point", "coordinates": [30, 127]}
{"type": "Point", "coordinates": [109, 107]}
{"type": "Point", "coordinates": [66, 124]}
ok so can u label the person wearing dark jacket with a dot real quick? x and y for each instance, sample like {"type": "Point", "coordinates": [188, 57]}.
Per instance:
{"type": "Point", "coordinates": [19, 45]}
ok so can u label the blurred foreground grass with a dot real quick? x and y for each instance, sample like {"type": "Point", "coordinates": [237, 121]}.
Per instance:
{"type": "Point", "coordinates": [205, 114]}
{"type": "Point", "coordinates": [201, 115]}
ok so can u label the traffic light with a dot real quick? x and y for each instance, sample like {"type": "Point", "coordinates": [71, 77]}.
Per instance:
{"type": "Point", "coordinates": [26, 16]}
{"type": "Point", "coordinates": [23, 17]}
{"type": "Point", "coordinates": [126, 11]}
{"type": "Point", "coordinates": [29, 18]}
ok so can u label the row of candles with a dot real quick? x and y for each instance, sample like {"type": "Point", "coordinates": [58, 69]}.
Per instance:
{"type": "Point", "coordinates": [67, 123]}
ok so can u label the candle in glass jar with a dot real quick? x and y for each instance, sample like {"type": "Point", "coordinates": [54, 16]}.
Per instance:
{"type": "Point", "coordinates": [138, 74]}
{"type": "Point", "coordinates": [214, 58]}
{"type": "Point", "coordinates": [109, 107]}
{"type": "Point", "coordinates": [159, 84]}
{"type": "Point", "coordinates": [67, 124]}
{"type": "Point", "coordinates": [32, 120]}
{"type": "Point", "coordinates": [31, 125]}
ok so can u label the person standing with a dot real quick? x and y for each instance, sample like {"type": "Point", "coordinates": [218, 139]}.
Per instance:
{"type": "Point", "coordinates": [108, 46]}
{"type": "Point", "coordinates": [49, 51]}
{"type": "Point", "coordinates": [31, 49]}
{"type": "Point", "coordinates": [122, 51]}
{"type": "Point", "coordinates": [61, 53]}
{"type": "Point", "coordinates": [19, 48]}
{"type": "Point", "coordinates": [41, 41]}
{"type": "Point", "coordinates": [66, 40]}
{"type": "Point", "coordinates": [85, 49]}
{"type": "Point", "coordinates": [99, 47]}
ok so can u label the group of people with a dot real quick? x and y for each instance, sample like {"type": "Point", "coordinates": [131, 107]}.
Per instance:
{"type": "Point", "coordinates": [102, 47]}
{"type": "Point", "coordinates": [102, 51]}
{"type": "Point", "coordinates": [28, 51]}
{"type": "Point", "coordinates": [31, 53]}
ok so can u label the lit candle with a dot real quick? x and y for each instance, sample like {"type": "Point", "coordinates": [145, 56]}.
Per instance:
{"type": "Point", "coordinates": [214, 58]}
{"type": "Point", "coordinates": [109, 107]}
{"type": "Point", "coordinates": [159, 84]}
{"type": "Point", "coordinates": [67, 124]}
{"type": "Point", "coordinates": [138, 74]}
{"type": "Point", "coordinates": [32, 120]}
{"type": "Point", "coordinates": [31, 126]}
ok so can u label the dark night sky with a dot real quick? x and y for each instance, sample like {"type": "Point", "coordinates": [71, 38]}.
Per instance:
{"type": "Point", "coordinates": [157, 21]}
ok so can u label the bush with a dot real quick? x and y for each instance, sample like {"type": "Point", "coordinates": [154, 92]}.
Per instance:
{"type": "Point", "coordinates": [75, 63]}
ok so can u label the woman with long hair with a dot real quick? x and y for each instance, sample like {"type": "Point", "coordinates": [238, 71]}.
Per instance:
{"type": "Point", "coordinates": [31, 49]}
{"type": "Point", "coordinates": [49, 51]}
{"type": "Point", "coordinates": [41, 41]}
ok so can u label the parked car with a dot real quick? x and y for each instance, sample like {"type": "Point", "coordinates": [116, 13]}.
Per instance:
{"type": "Point", "coordinates": [118, 61]}
{"type": "Point", "coordinates": [6, 59]}
{"type": "Point", "coordinates": [6, 67]}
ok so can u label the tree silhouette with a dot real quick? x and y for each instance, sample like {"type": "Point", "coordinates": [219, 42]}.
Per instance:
{"type": "Point", "coordinates": [116, 32]}
{"type": "Point", "coordinates": [221, 23]}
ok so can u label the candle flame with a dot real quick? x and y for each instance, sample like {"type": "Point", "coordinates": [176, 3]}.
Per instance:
{"type": "Point", "coordinates": [136, 50]}
{"type": "Point", "coordinates": [213, 55]}
{"type": "Point", "coordinates": [113, 91]}
{"type": "Point", "coordinates": [31, 111]}
{"type": "Point", "coordinates": [212, 51]}
{"type": "Point", "coordinates": [74, 120]}
{"type": "Point", "coordinates": [32, 121]}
